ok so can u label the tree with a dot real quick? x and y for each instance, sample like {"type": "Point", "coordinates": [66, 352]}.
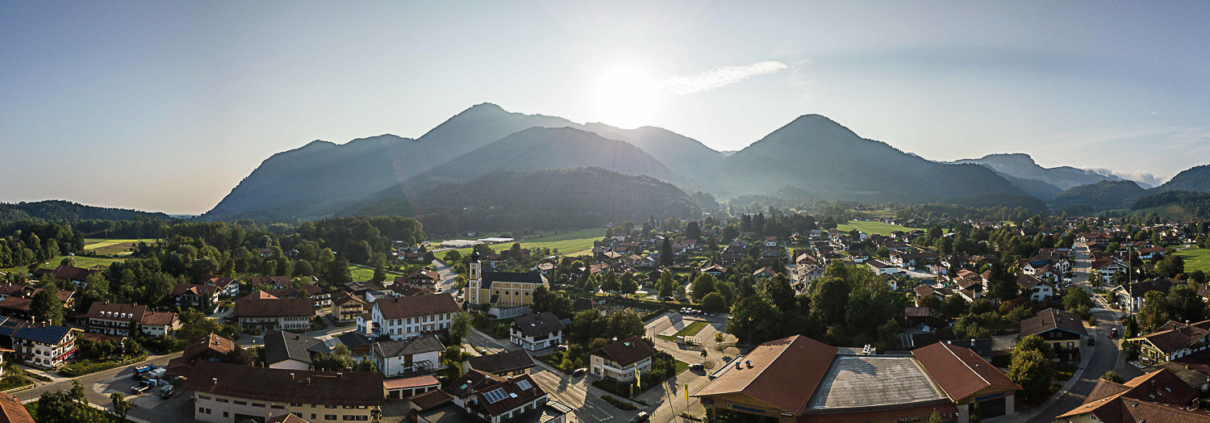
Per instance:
{"type": "Point", "coordinates": [1079, 301]}
{"type": "Point", "coordinates": [611, 282]}
{"type": "Point", "coordinates": [1112, 376]}
{"type": "Point", "coordinates": [666, 285]}
{"type": "Point", "coordinates": [693, 231]}
{"type": "Point", "coordinates": [121, 406]}
{"type": "Point", "coordinates": [666, 253]}
{"type": "Point", "coordinates": [380, 270]}
{"type": "Point", "coordinates": [46, 307]}
{"type": "Point", "coordinates": [935, 417]}
{"type": "Point", "coordinates": [714, 303]}
{"type": "Point", "coordinates": [1155, 311]}
{"type": "Point", "coordinates": [460, 327]}
{"type": "Point", "coordinates": [628, 284]}
{"type": "Point", "coordinates": [703, 285]}
{"type": "Point", "coordinates": [1185, 304]}
{"type": "Point", "coordinates": [755, 319]}
{"type": "Point", "coordinates": [1033, 343]}
{"type": "Point", "coordinates": [1034, 372]}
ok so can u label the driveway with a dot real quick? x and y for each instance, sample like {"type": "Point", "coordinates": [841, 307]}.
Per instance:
{"type": "Point", "coordinates": [99, 385]}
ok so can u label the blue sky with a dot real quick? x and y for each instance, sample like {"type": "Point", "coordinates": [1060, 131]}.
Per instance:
{"type": "Point", "coordinates": [165, 106]}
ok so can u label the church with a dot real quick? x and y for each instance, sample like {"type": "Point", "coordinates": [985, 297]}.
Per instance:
{"type": "Point", "coordinates": [507, 294]}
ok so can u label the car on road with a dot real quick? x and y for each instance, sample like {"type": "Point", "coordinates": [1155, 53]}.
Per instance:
{"type": "Point", "coordinates": [668, 299]}
{"type": "Point", "coordinates": [1113, 333]}
{"type": "Point", "coordinates": [697, 366]}
{"type": "Point", "coordinates": [1092, 341]}
{"type": "Point", "coordinates": [579, 372]}
{"type": "Point", "coordinates": [641, 417]}
{"type": "Point", "coordinates": [140, 389]}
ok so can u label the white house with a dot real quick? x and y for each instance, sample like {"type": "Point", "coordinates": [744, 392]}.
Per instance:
{"type": "Point", "coordinates": [44, 347]}
{"type": "Point", "coordinates": [536, 331]}
{"type": "Point", "coordinates": [409, 317]}
{"type": "Point", "coordinates": [402, 357]}
{"type": "Point", "coordinates": [1036, 289]}
{"type": "Point", "coordinates": [881, 268]}
{"type": "Point", "coordinates": [621, 359]}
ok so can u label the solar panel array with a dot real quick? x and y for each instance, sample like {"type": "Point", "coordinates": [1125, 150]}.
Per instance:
{"type": "Point", "coordinates": [524, 385]}
{"type": "Point", "coordinates": [495, 396]}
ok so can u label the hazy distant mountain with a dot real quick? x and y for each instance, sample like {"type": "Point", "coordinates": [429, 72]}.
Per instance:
{"type": "Point", "coordinates": [548, 148]}
{"type": "Point", "coordinates": [682, 154]}
{"type": "Point", "coordinates": [59, 210]}
{"type": "Point", "coordinates": [1193, 179]}
{"type": "Point", "coordinates": [1101, 195]}
{"type": "Point", "coordinates": [1022, 166]}
{"type": "Point", "coordinates": [1033, 187]}
{"type": "Point", "coordinates": [818, 155]}
{"type": "Point", "coordinates": [540, 199]}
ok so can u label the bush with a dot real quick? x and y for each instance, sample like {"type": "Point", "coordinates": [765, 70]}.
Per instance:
{"type": "Point", "coordinates": [14, 381]}
{"type": "Point", "coordinates": [621, 405]}
{"type": "Point", "coordinates": [84, 367]}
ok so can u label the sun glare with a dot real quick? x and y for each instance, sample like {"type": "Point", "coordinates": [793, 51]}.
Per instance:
{"type": "Point", "coordinates": [626, 97]}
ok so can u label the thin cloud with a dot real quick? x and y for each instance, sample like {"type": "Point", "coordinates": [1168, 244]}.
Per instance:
{"type": "Point", "coordinates": [719, 77]}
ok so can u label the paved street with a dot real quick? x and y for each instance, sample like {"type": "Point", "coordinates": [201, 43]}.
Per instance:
{"type": "Point", "coordinates": [671, 396]}
{"type": "Point", "coordinates": [1105, 355]}
{"type": "Point", "coordinates": [99, 385]}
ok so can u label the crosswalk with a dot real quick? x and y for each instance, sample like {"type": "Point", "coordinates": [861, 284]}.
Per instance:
{"type": "Point", "coordinates": [1102, 309]}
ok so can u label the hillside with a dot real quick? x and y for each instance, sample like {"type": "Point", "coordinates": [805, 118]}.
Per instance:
{"type": "Point", "coordinates": [815, 154]}
{"type": "Point", "coordinates": [59, 210]}
{"type": "Point", "coordinates": [1100, 196]}
{"type": "Point", "coordinates": [1193, 204]}
{"type": "Point", "coordinates": [1193, 179]}
{"type": "Point", "coordinates": [684, 155]}
{"type": "Point", "coordinates": [547, 148]}
{"type": "Point", "coordinates": [1022, 166]}
{"type": "Point", "coordinates": [538, 199]}
{"type": "Point", "coordinates": [1036, 188]}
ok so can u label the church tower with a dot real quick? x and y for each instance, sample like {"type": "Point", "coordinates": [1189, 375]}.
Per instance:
{"type": "Point", "coordinates": [474, 281]}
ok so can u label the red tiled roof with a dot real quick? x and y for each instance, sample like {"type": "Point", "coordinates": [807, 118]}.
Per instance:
{"type": "Point", "coordinates": [264, 304]}
{"type": "Point", "coordinates": [410, 382]}
{"type": "Point", "coordinates": [417, 305]}
{"type": "Point", "coordinates": [11, 410]}
{"type": "Point", "coordinates": [959, 371]}
{"type": "Point", "coordinates": [784, 373]}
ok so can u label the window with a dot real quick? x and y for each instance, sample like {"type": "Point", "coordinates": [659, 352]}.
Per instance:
{"type": "Point", "coordinates": [222, 400]}
{"type": "Point", "coordinates": [329, 406]}
{"type": "Point", "coordinates": [241, 403]}
{"type": "Point", "coordinates": [329, 417]}
{"type": "Point", "coordinates": [225, 414]}
{"type": "Point", "coordinates": [258, 405]}
{"type": "Point", "coordinates": [203, 397]}
{"type": "Point", "coordinates": [277, 407]}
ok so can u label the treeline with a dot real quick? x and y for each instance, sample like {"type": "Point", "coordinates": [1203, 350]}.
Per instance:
{"type": "Point", "coordinates": [1197, 204]}
{"type": "Point", "coordinates": [958, 211]}
{"type": "Point", "coordinates": [58, 210]}
{"type": "Point", "coordinates": [31, 242]}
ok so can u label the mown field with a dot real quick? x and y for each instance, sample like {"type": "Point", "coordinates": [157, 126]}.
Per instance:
{"type": "Point", "coordinates": [872, 227]}
{"type": "Point", "coordinates": [107, 247]}
{"type": "Point", "coordinates": [574, 243]}
{"type": "Point", "coordinates": [1196, 259]}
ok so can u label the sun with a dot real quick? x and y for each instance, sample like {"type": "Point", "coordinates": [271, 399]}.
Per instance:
{"type": "Point", "coordinates": [626, 97]}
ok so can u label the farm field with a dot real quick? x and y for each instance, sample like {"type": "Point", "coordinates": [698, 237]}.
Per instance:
{"type": "Point", "coordinates": [83, 261]}
{"type": "Point", "coordinates": [108, 247]}
{"type": "Point", "coordinates": [364, 273]}
{"type": "Point", "coordinates": [1195, 259]}
{"type": "Point", "coordinates": [570, 243]}
{"type": "Point", "coordinates": [872, 227]}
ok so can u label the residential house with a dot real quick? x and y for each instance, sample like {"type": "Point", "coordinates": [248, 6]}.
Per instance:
{"type": "Point", "coordinates": [314, 292]}
{"type": "Point", "coordinates": [195, 295]}
{"type": "Point", "coordinates": [71, 274]}
{"type": "Point", "coordinates": [286, 350]}
{"type": "Point", "coordinates": [44, 346]}
{"type": "Point", "coordinates": [209, 347]}
{"type": "Point", "coordinates": [262, 311]}
{"type": "Point", "coordinates": [228, 287]}
{"type": "Point", "coordinates": [1062, 330]}
{"type": "Point", "coordinates": [535, 332]}
{"type": "Point", "coordinates": [116, 319]}
{"type": "Point", "coordinates": [1135, 293]}
{"type": "Point", "coordinates": [231, 393]}
{"type": "Point", "coordinates": [420, 354]}
{"type": "Point", "coordinates": [422, 277]}
{"type": "Point", "coordinates": [881, 268]}
{"type": "Point", "coordinates": [620, 359]}
{"type": "Point", "coordinates": [1035, 289]}
{"type": "Point", "coordinates": [347, 307]}
{"type": "Point", "coordinates": [17, 304]}
{"type": "Point", "coordinates": [1172, 341]}
{"type": "Point", "coordinates": [764, 273]}
{"type": "Point", "coordinates": [503, 364]}
{"type": "Point", "coordinates": [408, 317]}
{"type": "Point", "coordinates": [481, 398]}
{"type": "Point", "coordinates": [1158, 396]}
{"type": "Point", "coordinates": [714, 270]}
{"type": "Point", "coordinates": [271, 282]}
{"type": "Point", "coordinates": [11, 410]}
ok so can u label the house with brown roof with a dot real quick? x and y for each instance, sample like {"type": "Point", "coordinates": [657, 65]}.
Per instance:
{"type": "Point", "coordinates": [314, 292]}
{"type": "Point", "coordinates": [270, 282]}
{"type": "Point", "coordinates": [210, 347]}
{"type": "Point", "coordinates": [195, 295]}
{"type": "Point", "coordinates": [226, 286]}
{"type": "Point", "coordinates": [226, 393]}
{"type": "Point", "coordinates": [1062, 330]}
{"type": "Point", "coordinates": [116, 319]}
{"type": "Point", "coordinates": [11, 410]}
{"type": "Point", "coordinates": [483, 398]}
{"type": "Point", "coordinates": [262, 311]}
{"type": "Point", "coordinates": [1154, 397]}
{"type": "Point", "coordinates": [346, 307]}
{"type": "Point", "coordinates": [407, 317]}
{"type": "Point", "coordinates": [502, 364]}
{"type": "Point", "coordinates": [536, 331]}
{"type": "Point", "coordinates": [423, 277]}
{"type": "Point", "coordinates": [1036, 289]}
{"type": "Point", "coordinates": [1173, 340]}
{"type": "Point", "coordinates": [798, 379]}
{"type": "Point", "coordinates": [72, 274]}
{"type": "Point", "coordinates": [621, 359]}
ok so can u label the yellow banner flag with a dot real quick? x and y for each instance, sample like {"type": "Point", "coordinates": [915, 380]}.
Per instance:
{"type": "Point", "coordinates": [686, 392]}
{"type": "Point", "coordinates": [637, 378]}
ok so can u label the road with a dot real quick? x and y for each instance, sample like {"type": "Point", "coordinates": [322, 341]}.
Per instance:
{"type": "Point", "coordinates": [447, 282]}
{"type": "Point", "coordinates": [99, 385]}
{"type": "Point", "coordinates": [576, 392]}
{"type": "Point", "coordinates": [671, 396]}
{"type": "Point", "coordinates": [1106, 354]}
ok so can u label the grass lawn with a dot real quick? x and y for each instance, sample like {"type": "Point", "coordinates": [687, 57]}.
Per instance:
{"type": "Point", "coordinates": [691, 330]}
{"type": "Point", "coordinates": [83, 261]}
{"type": "Point", "coordinates": [568, 243]}
{"type": "Point", "coordinates": [365, 273]}
{"type": "Point", "coordinates": [1195, 259]}
{"type": "Point", "coordinates": [107, 247]}
{"type": "Point", "coordinates": [872, 227]}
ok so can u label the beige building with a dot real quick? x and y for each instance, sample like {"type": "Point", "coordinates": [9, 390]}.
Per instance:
{"type": "Point", "coordinates": [231, 393]}
{"type": "Point", "coordinates": [620, 360]}
{"type": "Point", "coordinates": [507, 294]}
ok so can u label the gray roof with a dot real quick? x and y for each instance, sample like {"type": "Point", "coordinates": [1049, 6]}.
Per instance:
{"type": "Point", "coordinates": [873, 381]}
{"type": "Point", "coordinates": [282, 346]}
{"type": "Point", "coordinates": [508, 361]}
{"type": "Point", "coordinates": [418, 345]}
{"type": "Point", "coordinates": [526, 277]}
{"type": "Point", "coordinates": [538, 324]}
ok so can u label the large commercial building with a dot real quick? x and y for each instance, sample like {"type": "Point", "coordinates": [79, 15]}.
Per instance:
{"type": "Point", "coordinates": [231, 393]}
{"type": "Point", "coordinates": [801, 380]}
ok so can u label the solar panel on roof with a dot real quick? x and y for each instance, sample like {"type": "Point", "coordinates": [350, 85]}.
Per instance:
{"type": "Point", "coordinates": [495, 396]}
{"type": "Point", "coordinates": [524, 385]}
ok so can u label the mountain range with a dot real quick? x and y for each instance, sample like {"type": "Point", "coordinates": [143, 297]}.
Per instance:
{"type": "Point", "coordinates": [812, 154]}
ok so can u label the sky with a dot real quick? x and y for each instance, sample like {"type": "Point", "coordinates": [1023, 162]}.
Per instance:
{"type": "Point", "coordinates": [167, 105]}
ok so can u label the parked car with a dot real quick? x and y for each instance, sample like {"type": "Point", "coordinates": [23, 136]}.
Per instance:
{"type": "Point", "coordinates": [560, 347]}
{"type": "Point", "coordinates": [697, 366]}
{"type": "Point", "coordinates": [641, 417]}
{"type": "Point", "coordinates": [666, 298]}
{"type": "Point", "coordinates": [166, 391]}
{"type": "Point", "coordinates": [580, 372]}
{"type": "Point", "coordinates": [140, 389]}
{"type": "Point", "coordinates": [1113, 333]}
{"type": "Point", "coordinates": [139, 371]}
